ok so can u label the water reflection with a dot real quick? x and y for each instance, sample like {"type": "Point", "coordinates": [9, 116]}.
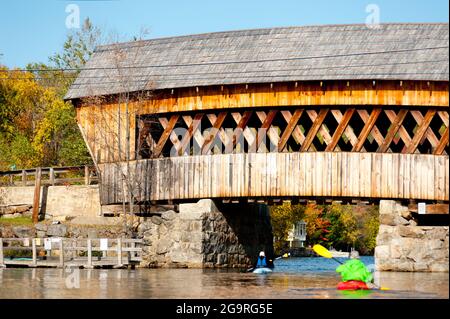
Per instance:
{"type": "Point", "coordinates": [197, 283]}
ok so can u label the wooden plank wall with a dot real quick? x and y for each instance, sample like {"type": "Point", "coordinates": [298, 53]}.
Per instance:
{"type": "Point", "coordinates": [357, 92]}
{"type": "Point", "coordinates": [315, 174]}
{"type": "Point", "coordinates": [104, 128]}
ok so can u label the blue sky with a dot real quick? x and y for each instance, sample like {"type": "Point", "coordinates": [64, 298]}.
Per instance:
{"type": "Point", "coordinates": [31, 31]}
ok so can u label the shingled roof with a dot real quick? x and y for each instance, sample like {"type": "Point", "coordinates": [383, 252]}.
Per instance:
{"type": "Point", "coordinates": [329, 52]}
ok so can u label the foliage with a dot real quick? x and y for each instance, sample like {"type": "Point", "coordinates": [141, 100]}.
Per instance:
{"type": "Point", "coordinates": [317, 226]}
{"type": "Point", "coordinates": [369, 224]}
{"type": "Point", "coordinates": [344, 229]}
{"type": "Point", "coordinates": [283, 218]}
{"type": "Point", "coordinates": [37, 127]}
{"type": "Point", "coordinates": [64, 66]}
{"type": "Point", "coordinates": [337, 226]}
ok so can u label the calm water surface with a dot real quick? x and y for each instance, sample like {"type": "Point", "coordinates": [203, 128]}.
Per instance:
{"type": "Point", "coordinates": [292, 278]}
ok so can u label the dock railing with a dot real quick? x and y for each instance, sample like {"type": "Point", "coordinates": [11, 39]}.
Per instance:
{"type": "Point", "coordinates": [85, 175]}
{"type": "Point", "coordinates": [70, 252]}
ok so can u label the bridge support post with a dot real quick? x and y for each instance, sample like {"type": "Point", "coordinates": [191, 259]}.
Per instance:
{"type": "Point", "coordinates": [403, 244]}
{"type": "Point", "coordinates": [206, 234]}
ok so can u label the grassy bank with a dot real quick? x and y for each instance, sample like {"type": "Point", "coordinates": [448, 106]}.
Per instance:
{"type": "Point", "coordinates": [17, 221]}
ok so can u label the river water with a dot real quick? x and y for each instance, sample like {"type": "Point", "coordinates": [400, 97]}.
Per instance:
{"type": "Point", "coordinates": [293, 278]}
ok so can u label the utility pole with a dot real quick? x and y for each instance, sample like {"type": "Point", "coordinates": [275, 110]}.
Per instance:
{"type": "Point", "coordinates": [37, 195]}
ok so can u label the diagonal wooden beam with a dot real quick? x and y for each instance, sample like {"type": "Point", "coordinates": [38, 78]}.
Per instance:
{"type": "Point", "coordinates": [322, 129]}
{"type": "Point", "coordinates": [420, 132]}
{"type": "Point", "coordinates": [442, 143]}
{"type": "Point", "coordinates": [215, 130]}
{"type": "Point", "coordinates": [429, 134]}
{"type": "Point", "coordinates": [393, 129]}
{"type": "Point", "coordinates": [190, 132]}
{"type": "Point", "coordinates": [249, 133]}
{"type": "Point", "coordinates": [197, 134]}
{"type": "Point", "coordinates": [165, 135]}
{"type": "Point", "coordinates": [370, 122]}
{"type": "Point", "coordinates": [339, 130]}
{"type": "Point", "coordinates": [314, 129]}
{"type": "Point", "coordinates": [266, 123]}
{"type": "Point", "coordinates": [402, 132]}
{"type": "Point", "coordinates": [173, 136]}
{"type": "Point", "coordinates": [292, 124]}
{"type": "Point", "coordinates": [222, 134]}
{"type": "Point", "coordinates": [240, 127]}
{"type": "Point", "coordinates": [444, 117]}
{"type": "Point", "coordinates": [375, 131]}
{"type": "Point", "coordinates": [337, 114]}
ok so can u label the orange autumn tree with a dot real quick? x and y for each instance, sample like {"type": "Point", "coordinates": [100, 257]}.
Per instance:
{"type": "Point", "coordinates": [317, 225]}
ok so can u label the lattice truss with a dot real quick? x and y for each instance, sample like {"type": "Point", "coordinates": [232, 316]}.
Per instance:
{"type": "Point", "coordinates": [380, 130]}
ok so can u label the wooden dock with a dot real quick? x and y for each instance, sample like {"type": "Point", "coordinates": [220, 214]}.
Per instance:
{"type": "Point", "coordinates": [70, 252]}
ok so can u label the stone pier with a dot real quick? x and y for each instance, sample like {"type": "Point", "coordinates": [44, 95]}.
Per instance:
{"type": "Point", "coordinates": [207, 235]}
{"type": "Point", "coordinates": [403, 245]}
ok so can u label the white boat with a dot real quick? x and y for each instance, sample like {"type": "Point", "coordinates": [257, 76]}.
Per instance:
{"type": "Point", "coordinates": [344, 254]}
{"type": "Point", "coordinates": [341, 254]}
{"type": "Point", "coordinates": [262, 270]}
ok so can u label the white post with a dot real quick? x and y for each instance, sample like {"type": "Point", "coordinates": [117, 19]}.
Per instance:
{"type": "Point", "coordinates": [89, 247]}
{"type": "Point", "coordinates": [61, 253]}
{"type": "Point", "coordinates": [52, 176]}
{"type": "Point", "coordinates": [119, 252]}
{"type": "Point", "coordinates": [33, 245]}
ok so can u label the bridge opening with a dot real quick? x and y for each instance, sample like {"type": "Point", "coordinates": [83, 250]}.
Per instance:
{"type": "Point", "coordinates": [410, 130]}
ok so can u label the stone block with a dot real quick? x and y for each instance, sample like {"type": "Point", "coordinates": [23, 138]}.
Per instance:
{"type": "Point", "coordinates": [387, 207]}
{"type": "Point", "coordinates": [157, 220]}
{"type": "Point", "coordinates": [163, 246]}
{"type": "Point", "coordinates": [411, 231]}
{"type": "Point", "coordinates": [434, 244]}
{"type": "Point", "coordinates": [396, 251]}
{"type": "Point", "coordinates": [420, 266]}
{"type": "Point", "coordinates": [383, 264]}
{"type": "Point", "coordinates": [437, 233]}
{"type": "Point", "coordinates": [382, 252]}
{"type": "Point", "coordinates": [57, 230]}
{"type": "Point", "coordinates": [169, 215]}
{"type": "Point", "coordinates": [403, 266]}
{"type": "Point", "coordinates": [439, 266]}
{"type": "Point", "coordinates": [23, 232]}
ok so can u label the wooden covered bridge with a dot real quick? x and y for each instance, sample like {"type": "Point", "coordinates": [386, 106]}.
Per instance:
{"type": "Point", "coordinates": [340, 111]}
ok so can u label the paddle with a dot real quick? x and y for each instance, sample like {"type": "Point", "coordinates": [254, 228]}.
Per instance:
{"type": "Point", "coordinates": [322, 251]}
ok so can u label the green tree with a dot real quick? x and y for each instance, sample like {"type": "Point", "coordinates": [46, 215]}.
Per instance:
{"type": "Point", "coordinates": [368, 223]}
{"type": "Point", "coordinates": [344, 230]}
{"type": "Point", "coordinates": [283, 217]}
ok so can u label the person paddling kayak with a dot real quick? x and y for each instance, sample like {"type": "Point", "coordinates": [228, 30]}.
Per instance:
{"type": "Point", "coordinates": [355, 275]}
{"type": "Point", "coordinates": [262, 261]}
{"type": "Point", "coordinates": [262, 264]}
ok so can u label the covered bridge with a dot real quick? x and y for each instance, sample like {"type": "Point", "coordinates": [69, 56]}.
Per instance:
{"type": "Point", "coordinates": [334, 111]}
